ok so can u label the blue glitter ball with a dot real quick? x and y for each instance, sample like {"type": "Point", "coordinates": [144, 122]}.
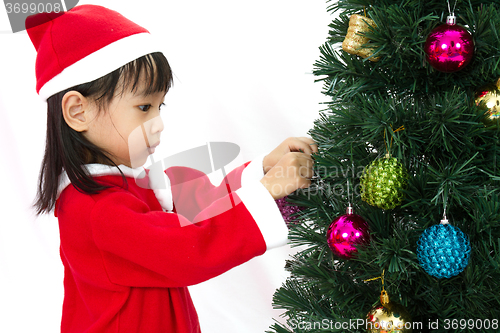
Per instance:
{"type": "Point", "coordinates": [443, 250]}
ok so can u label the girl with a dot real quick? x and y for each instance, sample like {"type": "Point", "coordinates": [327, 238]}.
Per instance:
{"type": "Point", "coordinates": [130, 249]}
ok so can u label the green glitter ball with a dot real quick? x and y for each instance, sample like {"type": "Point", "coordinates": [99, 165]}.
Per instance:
{"type": "Point", "coordinates": [382, 183]}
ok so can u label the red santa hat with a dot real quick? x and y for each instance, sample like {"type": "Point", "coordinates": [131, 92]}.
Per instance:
{"type": "Point", "coordinates": [82, 45]}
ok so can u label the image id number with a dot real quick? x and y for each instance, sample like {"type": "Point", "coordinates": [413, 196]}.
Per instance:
{"type": "Point", "coordinates": [471, 324]}
{"type": "Point", "coordinates": [33, 7]}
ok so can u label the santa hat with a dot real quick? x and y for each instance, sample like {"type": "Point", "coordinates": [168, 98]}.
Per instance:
{"type": "Point", "coordinates": [82, 45]}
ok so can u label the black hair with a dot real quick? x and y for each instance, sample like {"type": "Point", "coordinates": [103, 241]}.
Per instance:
{"type": "Point", "coordinates": [68, 150]}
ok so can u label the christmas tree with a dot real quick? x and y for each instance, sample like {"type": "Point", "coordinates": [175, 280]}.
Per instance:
{"type": "Point", "coordinates": [409, 138]}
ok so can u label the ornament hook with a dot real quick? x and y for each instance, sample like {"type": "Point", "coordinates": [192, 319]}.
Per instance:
{"type": "Point", "coordinates": [444, 220]}
{"type": "Point", "coordinates": [401, 128]}
{"type": "Point", "coordinates": [452, 12]}
{"type": "Point", "coordinates": [384, 297]}
{"type": "Point", "coordinates": [349, 210]}
{"type": "Point", "coordinates": [451, 19]}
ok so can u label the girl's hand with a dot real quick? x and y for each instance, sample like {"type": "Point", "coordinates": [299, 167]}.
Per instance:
{"type": "Point", "coordinates": [302, 144]}
{"type": "Point", "coordinates": [293, 171]}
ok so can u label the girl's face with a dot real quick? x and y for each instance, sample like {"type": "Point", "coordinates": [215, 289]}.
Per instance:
{"type": "Point", "coordinates": [130, 128]}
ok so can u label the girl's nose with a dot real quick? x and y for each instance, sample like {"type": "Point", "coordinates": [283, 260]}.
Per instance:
{"type": "Point", "coordinates": [156, 125]}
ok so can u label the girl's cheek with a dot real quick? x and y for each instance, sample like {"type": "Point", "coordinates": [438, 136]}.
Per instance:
{"type": "Point", "coordinates": [137, 146]}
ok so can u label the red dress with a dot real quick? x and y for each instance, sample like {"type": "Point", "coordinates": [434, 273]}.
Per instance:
{"type": "Point", "coordinates": [128, 262]}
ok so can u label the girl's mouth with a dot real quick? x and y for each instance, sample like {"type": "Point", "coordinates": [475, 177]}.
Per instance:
{"type": "Point", "coordinates": [151, 149]}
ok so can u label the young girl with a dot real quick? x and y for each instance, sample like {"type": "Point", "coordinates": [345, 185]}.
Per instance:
{"type": "Point", "coordinates": [129, 249]}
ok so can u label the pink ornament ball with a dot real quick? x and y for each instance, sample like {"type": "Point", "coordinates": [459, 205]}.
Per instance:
{"type": "Point", "coordinates": [449, 48]}
{"type": "Point", "coordinates": [345, 233]}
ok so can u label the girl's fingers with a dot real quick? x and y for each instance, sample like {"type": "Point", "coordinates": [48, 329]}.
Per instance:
{"type": "Point", "coordinates": [306, 166]}
{"type": "Point", "coordinates": [303, 144]}
{"type": "Point", "coordinates": [312, 147]}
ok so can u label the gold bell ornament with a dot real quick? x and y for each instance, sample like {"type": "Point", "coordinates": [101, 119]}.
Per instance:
{"type": "Point", "coordinates": [354, 41]}
{"type": "Point", "coordinates": [490, 98]}
{"type": "Point", "coordinates": [388, 316]}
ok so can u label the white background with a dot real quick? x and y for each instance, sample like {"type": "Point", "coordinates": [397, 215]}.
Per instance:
{"type": "Point", "coordinates": [242, 74]}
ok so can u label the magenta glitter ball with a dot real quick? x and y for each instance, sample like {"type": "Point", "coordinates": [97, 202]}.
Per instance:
{"type": "Point", "coordinates": [288, 210]}
{"type": "Point", "coordinates": [345, 233]}
{"type": "Point", "coordinates": [449, 48]}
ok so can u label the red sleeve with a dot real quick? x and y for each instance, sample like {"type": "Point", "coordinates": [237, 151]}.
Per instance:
{"type": "Point", "coordinates": [186, 181]}
{"type": "Point", "coordinates": [147, 248]}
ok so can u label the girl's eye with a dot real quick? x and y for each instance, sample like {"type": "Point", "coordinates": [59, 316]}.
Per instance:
{"type": "Point", "coordinates": [162, 105]}
{"type": "Point", "coordinates": [145, 107]}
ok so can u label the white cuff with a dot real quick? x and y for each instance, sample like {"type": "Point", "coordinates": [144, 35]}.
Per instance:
{"type": "Point", "coordinates": [253, 172]}
{"type": "Point", "coordinates": [265, 212]}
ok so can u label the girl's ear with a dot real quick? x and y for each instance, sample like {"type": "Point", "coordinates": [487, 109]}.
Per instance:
{"type": "Point", "coordinates": [76, 111]}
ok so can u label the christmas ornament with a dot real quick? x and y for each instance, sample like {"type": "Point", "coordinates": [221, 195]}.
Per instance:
{"type": "Point", "coordinates": [346, 232]}
{"type": "Point", "coordinates": [490, 98]}
{"type": "Point", "coordinates": [288, 211]}
{"type": "Point", "coordinates": [354, 40]}
{"type": "Point", "coordinates": [388, 316]}
{"type": "Point", "coordinates": [443, 250]}
{"type": "Point", "coordinates": [449, 47]}
{"type": "Point", "coordinates": [382, 183]}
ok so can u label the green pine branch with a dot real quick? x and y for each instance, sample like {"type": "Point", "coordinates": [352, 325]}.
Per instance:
{"type": "Point", "coordinates": [450, 149]}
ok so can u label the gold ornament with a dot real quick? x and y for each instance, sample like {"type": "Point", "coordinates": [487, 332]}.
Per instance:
{"type": "Point", "coordinates": [490, 98]}
{"type": "Point", "coordinates": [353, 42]}
{"type": "Point", "coordinates": [387, 316]}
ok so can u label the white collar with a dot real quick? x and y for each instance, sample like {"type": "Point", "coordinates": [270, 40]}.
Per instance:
{"type": "Point", "coordinates": [164, 195]}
